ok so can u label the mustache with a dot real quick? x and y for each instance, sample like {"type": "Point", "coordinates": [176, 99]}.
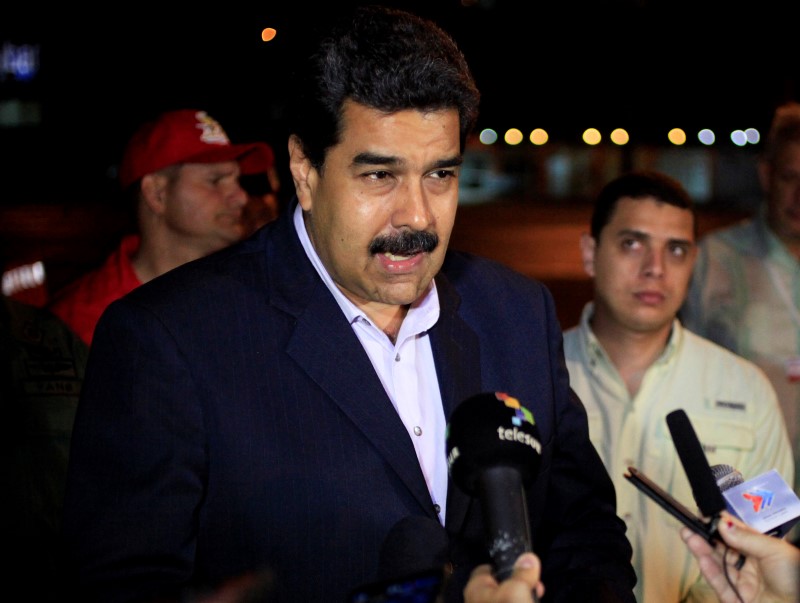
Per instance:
{"type": "Point", "coordinates": [409, 242]}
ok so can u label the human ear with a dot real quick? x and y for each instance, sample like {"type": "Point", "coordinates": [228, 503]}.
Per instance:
{"type": "Point", "coordinates": [588, 245]}
{"type": "Point", "coordinates": [303, 173]}
{"type": "Point", "coordinates": [154, 192]}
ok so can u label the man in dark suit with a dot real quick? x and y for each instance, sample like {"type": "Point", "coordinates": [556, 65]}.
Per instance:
{"type": "Point", "coordinates": [276, 408]}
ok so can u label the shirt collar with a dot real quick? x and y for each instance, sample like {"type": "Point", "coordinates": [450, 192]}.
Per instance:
{"type": "Point", "coordinates": [595, 351]}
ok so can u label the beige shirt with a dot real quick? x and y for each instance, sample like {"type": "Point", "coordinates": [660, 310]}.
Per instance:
{"type": "Point", "coordinates": [732, 407]}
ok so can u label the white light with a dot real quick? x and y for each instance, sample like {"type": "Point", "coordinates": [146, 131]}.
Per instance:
{"type": "Point", "coordinates": [706, 136]}
{"type": "Point", "coordinates": [739, 138]}
{"type": "Point", "coordinates": [488, 136]}
{"type": "Point", "coordinates": [753, 135]}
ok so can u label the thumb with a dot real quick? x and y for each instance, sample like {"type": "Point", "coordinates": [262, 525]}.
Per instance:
{"type": "Point", "coordinates": [528, 564]}
{"type": "Point", "coordinates": [528, 569]}
{"type": "Point", "coordinates": [741, 536]}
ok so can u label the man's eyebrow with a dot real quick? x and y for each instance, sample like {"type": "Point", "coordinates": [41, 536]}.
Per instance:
{"type": "Point", "coordinates": [449, 162]}
{"type": "Point", "coordinates": [631, 232]}
{"type": "Point", "coordinates": [641, 235]}
{"type": "Point", "coordinates": [368, 158]}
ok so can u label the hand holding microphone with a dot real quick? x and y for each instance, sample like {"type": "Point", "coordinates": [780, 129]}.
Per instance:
{"type": "Point", "coordinates": [493, 452]}
{"type": "Point", "coordinates": [770, 574]}
{"type": "Point", "coordinates": [518, 588]}
{"type": "Point", "coordinates": [774, 563]}
{"type": "Point", "coordinates": [766, 502]}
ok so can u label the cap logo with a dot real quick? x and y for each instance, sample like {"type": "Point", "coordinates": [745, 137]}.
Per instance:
{"type": "Point", "coordinates": [211, 130]}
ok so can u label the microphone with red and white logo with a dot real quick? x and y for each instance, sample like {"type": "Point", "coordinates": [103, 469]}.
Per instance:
{"type": "Point", "coordinates": [766, 503]}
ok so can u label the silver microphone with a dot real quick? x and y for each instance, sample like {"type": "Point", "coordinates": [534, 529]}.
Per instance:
{"type": "Point", "coordinates": [727, 477]}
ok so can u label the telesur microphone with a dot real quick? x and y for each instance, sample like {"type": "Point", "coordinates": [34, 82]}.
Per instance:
{"type": "Point", "coordinates": [766, 503]}
{"type": "Point", "coordinates": [493, 452]}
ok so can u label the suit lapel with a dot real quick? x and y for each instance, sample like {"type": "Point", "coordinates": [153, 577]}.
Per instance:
{"type": "Point", "coordinates": [327, 349]}
{"type": "Point", "coordinates": [456, 352]}
{"type": "Point", "coordinates": [338, 364]}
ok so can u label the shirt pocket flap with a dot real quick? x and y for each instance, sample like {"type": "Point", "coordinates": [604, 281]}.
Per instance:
{"type": "Point", "coordinates": [716, 433]}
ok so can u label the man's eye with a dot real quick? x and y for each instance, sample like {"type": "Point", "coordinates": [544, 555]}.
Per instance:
{"type": "Point", "coordinates": [444, 174]}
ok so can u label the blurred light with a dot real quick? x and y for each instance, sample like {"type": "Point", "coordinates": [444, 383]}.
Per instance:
{"type": "Point", "coordinates": [19, 62]}
{"type": "Point", "coordinates": [753, 136]}
{"type": "Point", "coordinates": [513, 136]}
{"type": "Point", "coordinates": [488, 136]}
{"type": "Point", "coordinates": [677, 136]}
{"type": "Point", "coordinates": [620, 136]}
{"type": "Point", "coordinates": [268, 34]}
{"type": "Point", "coordinates": [591, 136]}
{"type": "Point", "coordinates": [706, 136]}
{"type": "Point", "coordinates": [739, 138]}
{"type": "Point", "coordinates": [539, 137]}
{"type": "Point", "coordinates": [16, 112]}
{"type": "Point", "coordinates": [27, 276]}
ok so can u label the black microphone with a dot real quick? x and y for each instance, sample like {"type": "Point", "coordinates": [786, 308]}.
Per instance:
{"type": "Point", "coordinates": [413, 564]}
{"type": "Point", "coordinates": [701, 478]}
{"type": "Point", "coordinates": [414, 544]}
{"type": "Point", "coordinates": [705, 490]}
{"type": "Point", "coordinates": [493, 452]}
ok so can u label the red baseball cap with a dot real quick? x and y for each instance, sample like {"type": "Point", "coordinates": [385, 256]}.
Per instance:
{"type": "Point", "coordinates": [187, 136]}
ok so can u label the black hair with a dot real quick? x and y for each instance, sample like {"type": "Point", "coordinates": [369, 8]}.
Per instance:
{"type": "Point", "coordinates": [637, 185]}
{"type": "Point", "coordinates": [387, 59]}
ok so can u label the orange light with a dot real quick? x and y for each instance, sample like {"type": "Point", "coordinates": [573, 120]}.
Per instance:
{"type": "Point", "coordinates": [268, 33]}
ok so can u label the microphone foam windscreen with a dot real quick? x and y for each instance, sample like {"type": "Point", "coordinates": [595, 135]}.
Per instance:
{"type": "Point", "coordinates": [706, 493]}
{"type": "Point", "coordinates": [491, 430]}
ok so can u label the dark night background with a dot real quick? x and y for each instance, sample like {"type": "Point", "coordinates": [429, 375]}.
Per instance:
{"type": "Point", "coordinates": [647, 66]}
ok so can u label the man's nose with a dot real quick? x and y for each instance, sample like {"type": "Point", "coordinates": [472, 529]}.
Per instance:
{"type": "Point", "coordinates": [653, 263]}
{"type": "Point", "coordinates": [413, 209]}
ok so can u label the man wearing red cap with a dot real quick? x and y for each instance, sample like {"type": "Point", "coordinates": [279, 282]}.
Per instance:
{"type": "Point", "coordinates": [182, 173]}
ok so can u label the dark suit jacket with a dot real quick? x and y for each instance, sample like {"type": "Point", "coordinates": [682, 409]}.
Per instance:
{"type": "Point", "coordinates": [231, 422]}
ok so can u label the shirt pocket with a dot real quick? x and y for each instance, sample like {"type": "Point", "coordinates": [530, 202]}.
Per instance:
{"type": "Point", "coordinates": [725, 439]}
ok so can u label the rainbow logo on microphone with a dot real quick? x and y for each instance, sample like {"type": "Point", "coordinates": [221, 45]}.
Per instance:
{"type": "Point", "coordinates": [520, 412]}
{"type": "Point", "coordinates": [760, 499]}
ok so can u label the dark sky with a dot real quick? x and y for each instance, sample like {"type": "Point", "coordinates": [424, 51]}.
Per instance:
{"type": "Point", "coordinates": [647, 66]}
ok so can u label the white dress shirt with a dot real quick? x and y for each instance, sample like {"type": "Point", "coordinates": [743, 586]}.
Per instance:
{"type": "Point", "coordinates": [406, 369]}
